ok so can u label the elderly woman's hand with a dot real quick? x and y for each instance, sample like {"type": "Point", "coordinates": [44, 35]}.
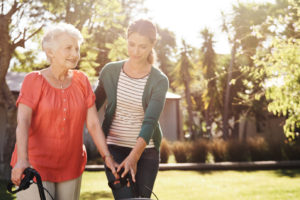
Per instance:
{"type": "Point", "coordinates": [17, 171]}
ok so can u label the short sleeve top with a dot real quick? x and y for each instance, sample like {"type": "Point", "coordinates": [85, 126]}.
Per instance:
{"type": "Point", "coordinates": [55, 141]}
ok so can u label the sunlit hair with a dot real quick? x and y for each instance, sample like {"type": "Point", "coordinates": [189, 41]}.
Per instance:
{"type": "Point", "coordinates": [54, 31]}
{"type": "Point", "coordinates": [145, 28]}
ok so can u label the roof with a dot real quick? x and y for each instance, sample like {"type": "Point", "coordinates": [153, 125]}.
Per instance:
{"type": "Point", "coordinates": [171, 95]}
{"type": "Point", "coordinates": [14, 81]}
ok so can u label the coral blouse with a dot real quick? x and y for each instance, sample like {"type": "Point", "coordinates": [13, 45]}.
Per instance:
{"type": "Point", "coordinates": [55, 143]}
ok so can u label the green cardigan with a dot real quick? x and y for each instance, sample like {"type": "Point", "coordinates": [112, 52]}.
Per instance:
{"type": "Point", "coordinates": [153, 100]}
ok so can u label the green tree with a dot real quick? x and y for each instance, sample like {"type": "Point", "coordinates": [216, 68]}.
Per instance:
{"type": "Point", "coordinates": [13, 34]}
{"type": "Point", "coordinates": [165, 50]}
{"type": "Point", "coordinates": [281, 64]}
{"type": "Point", "coordinates": [103, 25]}
{"type": "Point", "coordinates": [100, 23]}
{"type": "Point", "coordinates": [183, 71]}
{"type": "Point", "coordinates": [243, 90]}
{"type": "Point", "coordinates": [210, 94]}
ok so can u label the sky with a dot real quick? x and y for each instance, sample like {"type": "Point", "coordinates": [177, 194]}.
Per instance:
{"type": "Point", "coordinates": [186, 18]}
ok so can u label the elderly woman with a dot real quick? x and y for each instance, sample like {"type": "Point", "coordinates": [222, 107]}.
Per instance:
{"type": "Point", "coordinates": [53, 106]}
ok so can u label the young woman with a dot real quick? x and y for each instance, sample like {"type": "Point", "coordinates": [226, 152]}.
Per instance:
{"type": "Point", "coordinates": [135, 92]}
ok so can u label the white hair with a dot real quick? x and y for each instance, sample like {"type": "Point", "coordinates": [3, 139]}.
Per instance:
{"type": "Point", "coordinates": [54, 31]}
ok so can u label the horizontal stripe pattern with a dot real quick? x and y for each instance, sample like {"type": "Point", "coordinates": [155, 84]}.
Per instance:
{"type": "Point", "coordinates": [129, 114]}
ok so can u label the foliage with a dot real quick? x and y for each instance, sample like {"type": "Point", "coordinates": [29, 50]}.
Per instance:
{"type": "Point", "coordinates": [281, 65]}
{"type": "Point", "coordinates": [26, 61]}
{"type": "Point", "coordinates": [243, 91]}
{"type": "Point", "coordinates": [102, 24]}
{"type": "Point", "coordinates": [165, 49]}
{"type": "Point", "coordinates": [256, 148]}
{"type": "Point", "coordinates": [165, 151]}
{"type": "Point", "coordinates": [118, 50]}
{"type": "Point", "coordinates": [237, 151]}
{"type": "Point", "coordinates": [15, 32]}
{"type": "Point", "coordinates": [292, 150]}
{"type": "Point", "coordinates": [181, 151]}
{"type": "Point", "coordinates": [208, 99]}
{"type": "Point", "coordinates": [186, 79]}
{"type": "Point", "coordinates": [199, 151]}
{"type": "Point", "coordinates": [3, 191]}
{"type": "Point", "coordinates": [218, 148]}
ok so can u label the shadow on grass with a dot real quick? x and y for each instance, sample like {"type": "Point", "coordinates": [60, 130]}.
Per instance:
{"type": "Point", "coordinates": [4, 195]}
{"type": "Point", "coordinates": [292, 173]}
{"type": "Point", "coordinates": [95, 195]}
{"type": "Point", "coordinates": [206, 171]}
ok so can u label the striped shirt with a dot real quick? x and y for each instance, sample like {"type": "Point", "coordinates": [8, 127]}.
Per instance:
{"type": "Point", "coordinates": [129, 115]}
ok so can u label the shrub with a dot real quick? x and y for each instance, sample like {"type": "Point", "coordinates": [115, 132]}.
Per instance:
{"type": "Point", "coordinates": [199, 150]}
{"type": "Point", "coordinates": [164, 151]}
{"type": "Point", "coordinates": [237, 151]}
{"type": "Point", "coordinates": [275, 149]}
{"type": "Point", "coordinates": [258, 148]}
{"type": "Point", "coordinates": [292, 151]}
{"type": "Point", "coordinates": [180, 151]}
{"type": "Point", "coordinates": [218, 148]}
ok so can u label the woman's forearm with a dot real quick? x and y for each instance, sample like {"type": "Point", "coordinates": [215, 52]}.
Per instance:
{"type": "Point", "coordinates": [138, 149]}
{"type": "Point", "coordinates": [100, 141]}
{"type": "Point", "coordinates": [94, 128]}
{"type": "Point", "coordinates": [22, 142]}
{"type": "Point", "coordinates": [22, 131]}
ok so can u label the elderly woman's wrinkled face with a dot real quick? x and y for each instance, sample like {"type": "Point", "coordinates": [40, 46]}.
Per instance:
{"type": "Point", "coordinates": [66, 54]}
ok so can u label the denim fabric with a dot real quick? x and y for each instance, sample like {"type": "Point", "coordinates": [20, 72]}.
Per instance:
{"type": "Point", "coordinates": [147, 168]}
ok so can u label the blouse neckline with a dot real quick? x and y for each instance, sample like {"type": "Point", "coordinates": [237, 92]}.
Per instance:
{"type": "Point", "coordinates": [143, 77]}
{"type": "Point", "coordinates": [73, 74]}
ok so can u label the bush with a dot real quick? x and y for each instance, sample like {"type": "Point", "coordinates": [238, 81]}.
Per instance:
{"type": "Point", "coordinates": [164, 151]}
{"type": "Point", "coordinates": [180, 151]}
{"type": "Point", "coordinates": [275, 149]}
{"type": "Point", "coordinates": [199, 150]}
{"type": "Point", "coordinates": [237, 151]}
{"type": "Point", "coordinates": [258, 148]}
{"type": "Point", "coordinates": [218, 148]}
{"type": "Point", "coordinates": [292, 151]}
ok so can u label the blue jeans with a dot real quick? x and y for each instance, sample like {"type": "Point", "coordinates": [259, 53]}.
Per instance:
{"type": "Point", "coordinates": [147, 168]}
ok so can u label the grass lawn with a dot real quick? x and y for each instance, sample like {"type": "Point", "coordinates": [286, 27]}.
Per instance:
{"type": "Point", "coordinates": [209, 185]}
{"type": "Point", "coordinates": [214, 185]}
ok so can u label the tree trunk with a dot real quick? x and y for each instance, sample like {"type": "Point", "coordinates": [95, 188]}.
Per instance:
{"type": "Point", "coordinates": [186, 82]}
{"type": "Point", "coordinates": [236, 126]}
{"type": "Point", "coordinates": [189, 106]}
{"type": "Point", "coordinates": [227, 94]}
{"type": "Point", "coordinates": [7, 132]}
{"type": "Point", "coordinates": [7, 100]}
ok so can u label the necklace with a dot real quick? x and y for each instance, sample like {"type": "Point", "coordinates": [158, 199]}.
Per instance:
{"type": "Point", "coordinates": [58, 82]}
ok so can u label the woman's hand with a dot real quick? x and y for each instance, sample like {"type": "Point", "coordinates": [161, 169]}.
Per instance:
{"type": "Point", "coordinates": [17, 171]}
{"type": "Point", "coordinates": [112, 165]}
{"type": "Point", "coordinates": [129, 165]}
